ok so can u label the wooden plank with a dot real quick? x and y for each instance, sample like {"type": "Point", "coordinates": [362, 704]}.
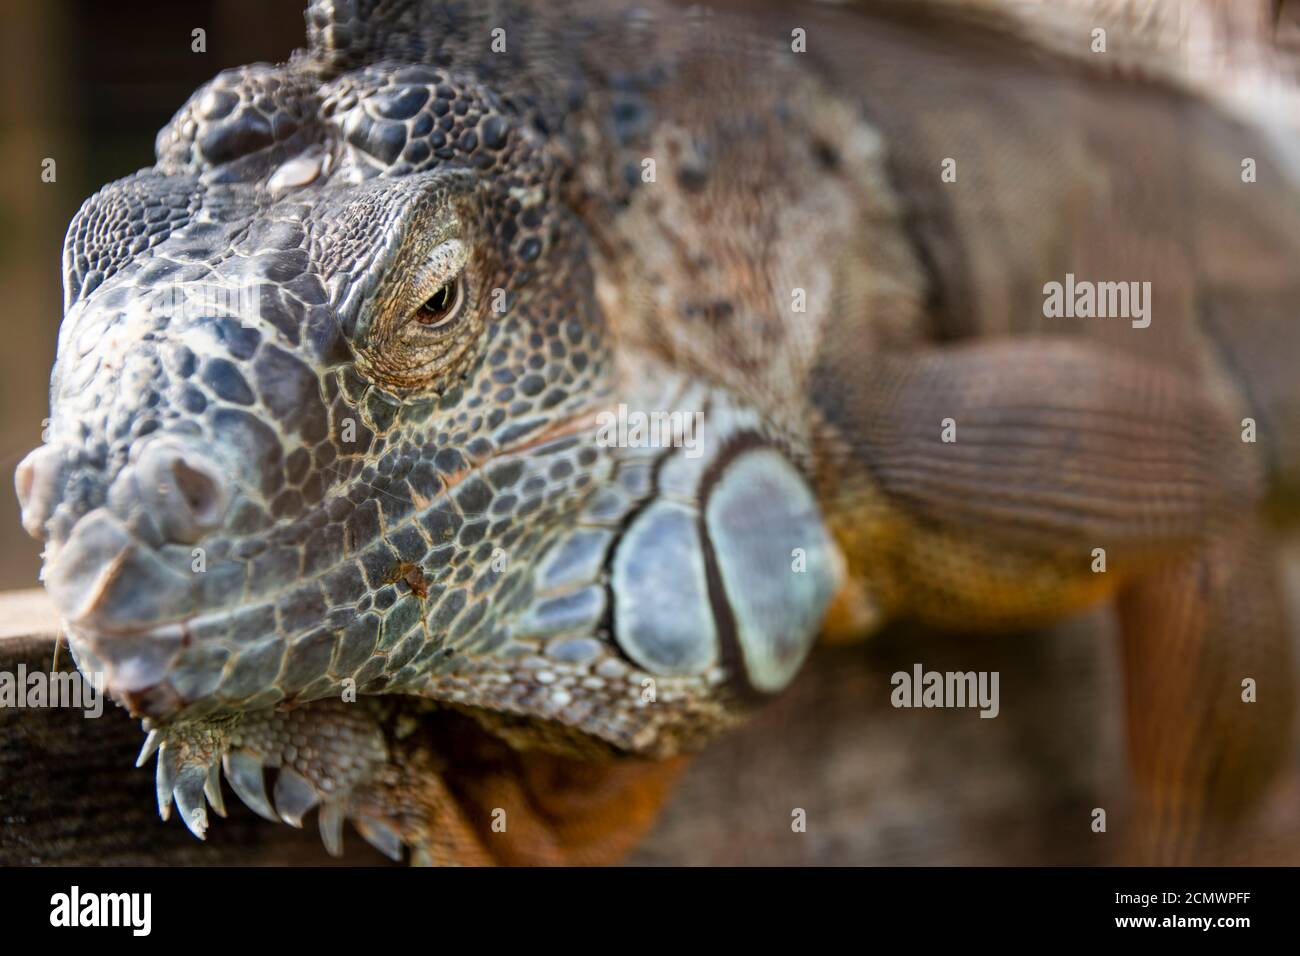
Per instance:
{"type": "Point", "coordinates": [28, 614]}
{"type": "Point", "coordinates": [70, 792]}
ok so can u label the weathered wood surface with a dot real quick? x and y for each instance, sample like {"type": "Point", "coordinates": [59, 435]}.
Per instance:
{"type": "Point", "coordinates": [70, 793]}
{"type": "Point", "coordinates": [879, 785]}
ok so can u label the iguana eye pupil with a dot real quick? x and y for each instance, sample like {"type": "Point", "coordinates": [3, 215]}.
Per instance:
{"type": "Point", "coordinates": [440, 308]}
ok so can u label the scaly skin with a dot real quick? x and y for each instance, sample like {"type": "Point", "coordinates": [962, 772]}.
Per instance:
{"type": "Point", "coordinates": [327, 488]}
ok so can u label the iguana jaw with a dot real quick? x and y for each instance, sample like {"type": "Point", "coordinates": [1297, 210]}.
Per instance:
{"type": "Point", "coordinates": [753, 574]}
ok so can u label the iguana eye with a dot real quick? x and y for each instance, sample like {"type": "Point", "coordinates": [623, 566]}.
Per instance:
{"type": "Point", "coordinates": [424, 315]}
{"type": "Point", "coordinates": [443, 308]}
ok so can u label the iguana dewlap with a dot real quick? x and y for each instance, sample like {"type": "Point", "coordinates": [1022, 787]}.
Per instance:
{"type": "Point", "coordinates": [565, 366]}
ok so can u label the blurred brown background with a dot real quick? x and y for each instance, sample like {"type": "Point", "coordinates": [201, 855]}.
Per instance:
{"type": "Point", "coordinates": [87, 84]}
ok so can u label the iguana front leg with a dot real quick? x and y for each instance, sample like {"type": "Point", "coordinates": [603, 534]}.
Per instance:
{"type": "Point", "coordinates": [382, 765]}
{"type": "Point", "coordinates": [1005, 484]}
{"type": "Point", "coordinates": [348, 760]}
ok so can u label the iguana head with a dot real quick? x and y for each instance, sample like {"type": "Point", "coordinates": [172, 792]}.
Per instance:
{"type": "Point", "coordinates": [335, 406]}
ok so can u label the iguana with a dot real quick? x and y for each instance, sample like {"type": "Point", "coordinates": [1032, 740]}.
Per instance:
{"type": "Point", "coordinates": [485, 408]}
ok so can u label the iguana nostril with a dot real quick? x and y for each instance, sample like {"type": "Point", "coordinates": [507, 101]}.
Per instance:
{"type": "Point", "coordinates": [200, 491]}
{"type": "Point", "coordinates": [182, 491]}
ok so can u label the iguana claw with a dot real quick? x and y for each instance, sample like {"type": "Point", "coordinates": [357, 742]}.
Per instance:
{"type": "Point", "coordinates": [323, 761]}
{"type": "Point", "coordinates": [245, 775]}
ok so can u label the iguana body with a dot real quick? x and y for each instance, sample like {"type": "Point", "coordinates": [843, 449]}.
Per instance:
{"type": "Point", "coordinates": [459, 241]}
